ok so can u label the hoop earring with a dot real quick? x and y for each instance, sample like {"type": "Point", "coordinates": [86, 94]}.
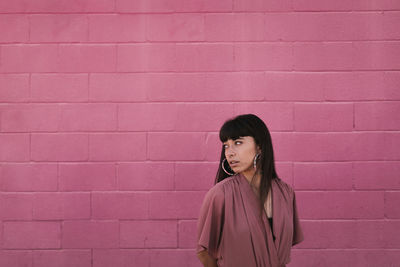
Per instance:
{"type": "Point", "coordinates": [255, 161]}
{"type": "Point", "coordinates": [222, 165]}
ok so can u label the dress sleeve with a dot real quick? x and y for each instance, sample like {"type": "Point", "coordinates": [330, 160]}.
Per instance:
{"type": "Point", "coordinates": [297, 230]}
{"type": "Point", "coordinates": [211, 221]}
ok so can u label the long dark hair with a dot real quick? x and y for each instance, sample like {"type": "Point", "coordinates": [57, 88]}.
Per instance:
{"type": "Point", "coordinates": [250, 125]}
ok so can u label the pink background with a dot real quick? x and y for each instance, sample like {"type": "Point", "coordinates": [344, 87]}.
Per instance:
{"type": "Point", "coordinates": [110, 111]}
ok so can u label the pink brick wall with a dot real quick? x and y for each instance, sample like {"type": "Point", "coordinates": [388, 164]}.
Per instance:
{"type": "Point", "coordinates": [110, 111]}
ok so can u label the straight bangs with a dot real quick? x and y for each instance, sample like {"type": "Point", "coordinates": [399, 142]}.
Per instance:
{"type": "Point", "coordinates": [233, 130]}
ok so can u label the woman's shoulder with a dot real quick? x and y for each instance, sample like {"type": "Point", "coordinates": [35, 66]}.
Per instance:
{"type": "Point", "coordinates": [221, 187]}
{"type": "Point", "coordinates": [284, 185]}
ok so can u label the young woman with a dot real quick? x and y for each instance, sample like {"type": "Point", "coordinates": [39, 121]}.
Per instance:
{"type": "Point", "coordinates": [249, 217]}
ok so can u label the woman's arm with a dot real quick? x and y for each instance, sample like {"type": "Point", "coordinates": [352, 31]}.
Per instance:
{"type": "Point", "coordinates": [206, 259]}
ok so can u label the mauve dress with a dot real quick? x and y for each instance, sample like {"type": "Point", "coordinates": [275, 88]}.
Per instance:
{"type": "Point", "coordinates": [230, 228]}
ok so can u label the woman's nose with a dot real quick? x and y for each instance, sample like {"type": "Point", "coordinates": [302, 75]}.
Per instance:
{"type": "Point", "coordinates": [229, 152]}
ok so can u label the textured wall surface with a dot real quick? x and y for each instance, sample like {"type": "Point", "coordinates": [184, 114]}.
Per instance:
{"type": "Point", "coordinates": [110, 111]}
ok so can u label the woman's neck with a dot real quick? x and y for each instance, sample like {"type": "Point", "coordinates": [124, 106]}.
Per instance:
{"type": "Point", "coordinates": [253, 178]}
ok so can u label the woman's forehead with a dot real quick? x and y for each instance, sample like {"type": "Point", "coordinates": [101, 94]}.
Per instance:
{"type": "Point", "coordinates": [239, 138]}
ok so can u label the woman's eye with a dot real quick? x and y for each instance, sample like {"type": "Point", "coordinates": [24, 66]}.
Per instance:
{"type": "Point", "coordinates": [236, 142]}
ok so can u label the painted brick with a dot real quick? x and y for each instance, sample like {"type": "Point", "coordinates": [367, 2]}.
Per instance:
{"type": "Point", "coordinates": [376, 146]}
{"type": "Point", "coordinates": [311, 5]}
{"type": "Point", "coordinates": [60, 206]}
{"type": "Point", "coordinates": [326, 5]}
{"type": "Point", "coordinates": [376, 55]}
{"type": "Point", "coordinates": [195, 175]}
{"type": "Point", "coordinates": [31, 235]}
{"type": "Point", "coordinates": [175, 27]}
{"type": "Point", "coordinates": [377, 115]}
{"type": "Point", "coordinates": [145, 176]}
{"type": "Point", "coordinates": [120, 257]}
{"type": "Point", "coordinates": [324, 26]}
{"type": "Point", "coordinates": [131, 28]}
{"type": "Point", "coordinates": [148, 234]}
{"type": "Point", "coordinates": [29, 58]}
{"type": "Point", "coordinates": [391, 80]}
{"type": "Point", "coordinates": [361, 86]}
{"type": "Point", "coordinates": [146, 57]}
{"type": "Point", "coordinates": [14, 28]}
{"type": "Point", "coordinates": [324, 56]}
{"type": "Point", "coordinates": [392, 241]}
{"type": "Point", "coordinates": [324, 117]}
{"type": "Point", "coordinates": [263, 56]}
{"type": "Point", "coordinates": [165, 6]}
{"type": "Point", "coordinates": [279, 86]}
{"type": "Point", "coordinates": [117, 146]}
{"type": "Point", "coordinates": [205, 5]}
{"type": "Point", "coordinates": [87, 58]}
{"type": "Point", "coordinates": [355, 234]}
{"type": "Point", "coordinates": [234, 27]}
{"type": "Point", "coordinates": [196, 57]}
{"type": "Point", "coordinates": [87, 177]}
{"type": "Point", "coordinates": [15, 6]}
{"type": "Point", "coordinates": [175, 205]}
{"type": "Point", "coordinates": [187, 232]}
{"type": "Point", "coordinates": [16, 206]}
{"type": "Point", "coordinates": [376, 175]}
{"type": "Point", "coordinates": [314, 146]}
{"type": "Point", "coordinates": [14, 147]}
{"type": "Point", "coordinates": [58, 28]}
{"type": "Point", "coordinates": [16, 258]}
{"type": "Point", "coordinates": [202, 86]}
{"type": "Point", "coordinates": [203, 117]}
{"type": "Point", "coordinates": [28, 177]}
{"type": "Point", "coordinates": [30, 118]}
{"type": "Point", "coordinates": [390, 20]}
{"type": "Point", "coordinates": [65, 6]}
{"type": "Point", "coordinates": [323, 176]}
{"type": "Point", "coordinates": [392, 209]}
{"type": "Point", "coordinates": [213, 147]}
{"type": "Point", "coordinates": [62, 258]}
{"type": "Point", "coordinates": [176, 257]}
{"type": "Point", "coordinates": [341, 205]}
{"type": "Point", "coordinates": [118, 87]}
{"type": "Point", "coordinates": [148, 116]}
{"type": "Point", "coordinates": [143, 6]}
{"type": "Point", "coordinates": [88, 117]}
{"type": "Point", "coordinates": [165, 146]}
{"type": "Point", "coordinates": [356, 258]}
{"type": "Point", "coordinates": [260, 5]}
{"type": "Point", "coordinates": [14, 87]}
{"type": "Point", "coordinates": [120, 205]}
{"type": "Point", "coordinates": [59, 87]}
{"type": "Point", "coordinates": [59, 147]}
{"type": "Point", "coordinates": [175, 86]}
{"type": "Point", "coordinates": [285, 172]}
{"type": "Point", "coordinates": [90, 234]}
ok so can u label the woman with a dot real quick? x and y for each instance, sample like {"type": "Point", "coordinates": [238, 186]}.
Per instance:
{"type": "Point", "coordinates": [249, 217]}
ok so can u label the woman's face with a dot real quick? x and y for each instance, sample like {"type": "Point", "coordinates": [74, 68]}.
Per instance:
{"type": "Point", "coordinates": [240, 153]}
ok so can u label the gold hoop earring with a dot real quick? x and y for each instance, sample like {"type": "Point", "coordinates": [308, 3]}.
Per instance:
{"type": "Point", "coordinates": [255, 161]}
{"type": "Point", "coordinates": [222, 165]}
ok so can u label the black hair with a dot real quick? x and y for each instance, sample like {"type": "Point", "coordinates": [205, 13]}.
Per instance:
{"type": "Point", "coordinates": [250, 125]}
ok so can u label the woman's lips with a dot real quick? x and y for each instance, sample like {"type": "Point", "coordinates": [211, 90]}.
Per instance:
{"type": "Point", "coordinates": [234, 164]}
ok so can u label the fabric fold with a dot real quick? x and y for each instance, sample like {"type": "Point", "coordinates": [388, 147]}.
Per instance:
{"type": "Point", "coordinates": [230, 228]}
